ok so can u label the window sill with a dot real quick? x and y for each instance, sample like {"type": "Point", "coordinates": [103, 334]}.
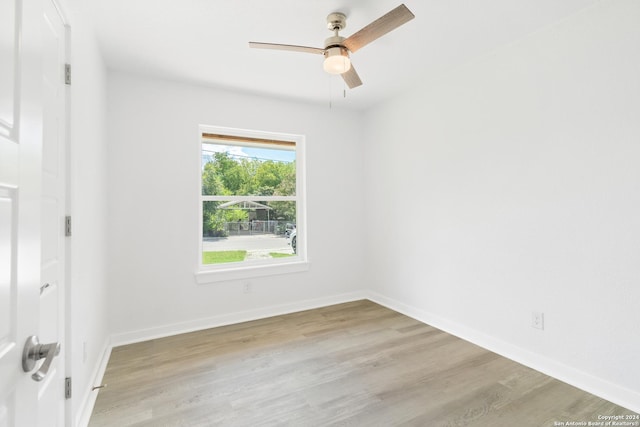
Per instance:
{"type": "Point", "coordinates": [239, 273]}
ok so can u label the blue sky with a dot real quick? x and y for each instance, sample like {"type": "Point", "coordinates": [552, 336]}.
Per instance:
{"type": "Point", "coordinates": [287, 156]}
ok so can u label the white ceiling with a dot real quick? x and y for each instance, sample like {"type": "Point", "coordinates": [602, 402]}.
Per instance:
{"type": "Point", "coordinates": [206, 41]}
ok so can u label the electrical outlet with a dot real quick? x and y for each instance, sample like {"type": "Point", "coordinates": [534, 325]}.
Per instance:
{"type": "Point", "coordinates": [537, 320]}
{"type": "Point", "coordinates": [246, 287]}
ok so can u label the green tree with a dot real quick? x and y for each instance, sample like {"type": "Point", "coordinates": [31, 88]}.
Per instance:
{"type": "Point", "coordinates": [214, 219]}
{"type": "Point", "coordinates": [212, 182]}
{"type": "Point", "coordinates": [268, 177]}
{"type": "Point", "coordinates": [286, 187]}
{"type": "Point", "coordinates": [232, 174]}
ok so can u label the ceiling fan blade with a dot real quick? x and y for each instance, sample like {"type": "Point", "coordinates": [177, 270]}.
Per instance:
{"type": "Point", "coordinates": [351, 78]}
{"type": "Point", "coordinates": [379, 28]}
{"type": "Point", "coordinates": [275, 46]}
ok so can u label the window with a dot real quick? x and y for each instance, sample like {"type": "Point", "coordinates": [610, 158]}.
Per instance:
{"type": "Point", "coordinates": [251, 204]}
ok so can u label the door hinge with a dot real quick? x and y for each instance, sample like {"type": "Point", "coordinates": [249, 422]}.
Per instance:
{"type": "Point", "coordinates": [67, 388]}
{"type": "Point", "coordinates": [67, 225]}
{"type": "Point", "coordinates": [67, 74]}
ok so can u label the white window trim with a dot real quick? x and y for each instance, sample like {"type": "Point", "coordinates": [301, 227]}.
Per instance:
{"type": "Point", "coordinates": [250, 272]}
{"type": "Point", "coordinates": [254, 269]}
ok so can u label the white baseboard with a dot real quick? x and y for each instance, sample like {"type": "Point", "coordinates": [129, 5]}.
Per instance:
{"type": "Point", "coordinates": [90, 396]}
{"type": "Point", "coordinates": [624, 397]}
{"type": "Point", "coordinates": [232, 318]}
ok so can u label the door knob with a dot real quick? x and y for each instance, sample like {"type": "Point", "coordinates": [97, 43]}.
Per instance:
{"type": "Point", "coordinates": [34, 351]}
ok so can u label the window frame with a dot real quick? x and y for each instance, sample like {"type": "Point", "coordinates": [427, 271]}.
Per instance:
{"type": "Point", "coordinates": [209, 273]}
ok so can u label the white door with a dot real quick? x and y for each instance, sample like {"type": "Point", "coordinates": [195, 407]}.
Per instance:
{"type": "Point", "coordinates": [27, 308]}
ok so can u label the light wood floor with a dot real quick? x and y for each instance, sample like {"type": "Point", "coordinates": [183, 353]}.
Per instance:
{"type": "Point", "coordinates": [354, 364]}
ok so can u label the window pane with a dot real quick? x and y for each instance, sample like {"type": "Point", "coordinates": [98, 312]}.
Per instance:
{"type": "Point", "coordinates": [255, 170]}
{"type": "Point", "coordinates": [237, 231]}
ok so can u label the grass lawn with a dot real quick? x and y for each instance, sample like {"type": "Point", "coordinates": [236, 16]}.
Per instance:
{"type": "Point", "coordinates": [219, 257]}
{"type": "Point", "coordinates": [279, 255]}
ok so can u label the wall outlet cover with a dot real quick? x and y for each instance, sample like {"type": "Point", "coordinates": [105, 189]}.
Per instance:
{"type": "Point", "coordinates": [537, 320]}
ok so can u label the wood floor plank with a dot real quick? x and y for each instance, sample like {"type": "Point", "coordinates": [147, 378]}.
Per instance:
{"type": "Point", "coordinates": [353, 364]}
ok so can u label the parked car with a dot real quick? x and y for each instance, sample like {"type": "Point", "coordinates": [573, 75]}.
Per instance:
{"type": "Point", "coordinates": [293, 240]}
{"type": "Point", "coordinates": [288, 229]}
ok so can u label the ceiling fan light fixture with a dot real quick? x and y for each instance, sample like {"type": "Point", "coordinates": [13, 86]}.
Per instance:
{"type": "Point", "coordinates": [336, 60]}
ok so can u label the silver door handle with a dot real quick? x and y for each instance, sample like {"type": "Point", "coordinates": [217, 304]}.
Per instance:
{"type": "Point", "coordinates": [34, 351]}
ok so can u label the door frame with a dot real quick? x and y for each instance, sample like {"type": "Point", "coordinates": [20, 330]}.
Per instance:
{"type": "Point", "coordinates": [67, 363]}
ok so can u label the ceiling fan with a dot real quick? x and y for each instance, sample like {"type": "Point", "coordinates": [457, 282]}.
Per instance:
{"type": "Point", "coordinates": [337, 49]}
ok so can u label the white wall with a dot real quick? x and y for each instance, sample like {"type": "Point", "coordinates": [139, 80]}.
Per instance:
{"type": "Point", "coordinates": [153, 206]}
{"type": "Point", "coordinates": [88, 335]}
{"type": "Point", "coordinates": [512, 185]}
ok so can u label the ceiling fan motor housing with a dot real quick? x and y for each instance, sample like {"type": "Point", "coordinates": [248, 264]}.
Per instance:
{"type": "Point", "coordinates": [333, 42]}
